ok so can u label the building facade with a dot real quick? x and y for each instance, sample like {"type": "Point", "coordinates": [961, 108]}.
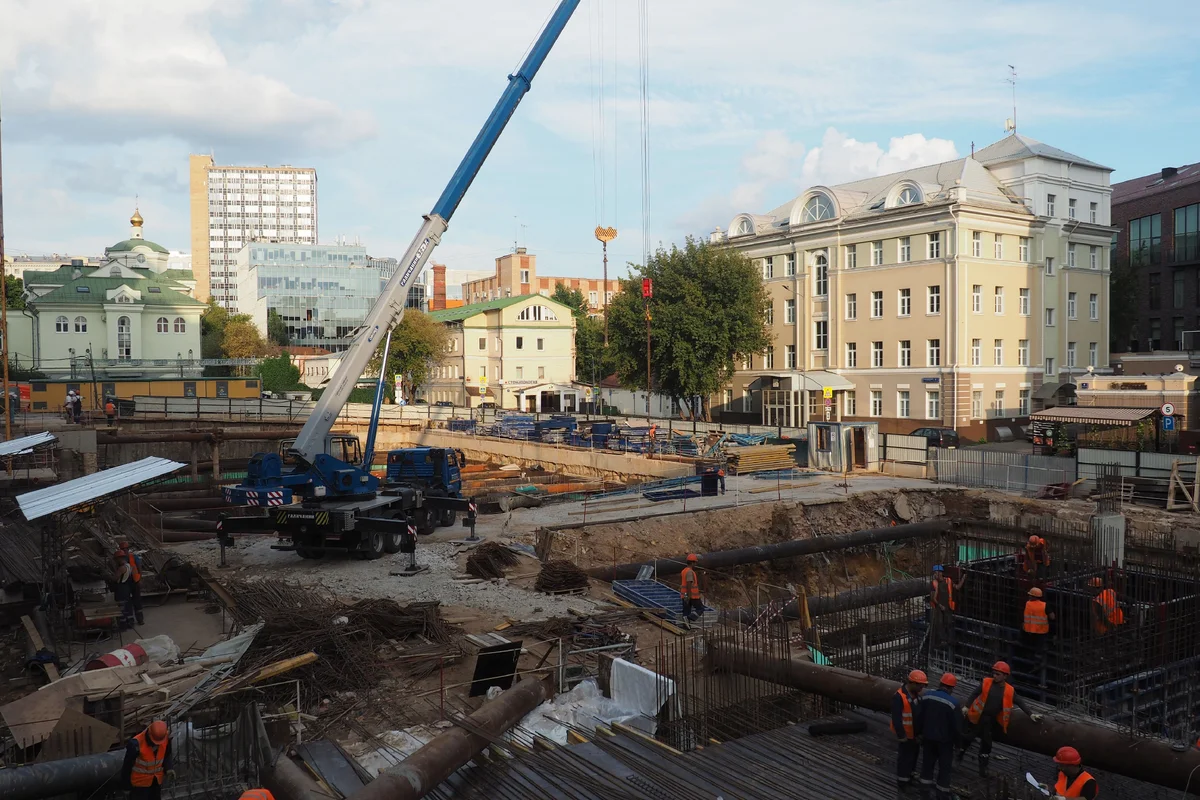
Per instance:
{"type": "Point", "coordinates": [517, 352]}
{"type": "Point", "coordinates": [131, 317]}
{"type": "Point", "coordinates": [963, 294]}
{"type": "Point", "coordinates": [1157, 218]}
{"type": "Point", "coordinates": [516, 274]}
{"type": "Point", "coordinates": [322, 292]}
{"type": "Point", "coordinates": [17, 266]}
{"type": "Point", "coordinates": [233, 206]}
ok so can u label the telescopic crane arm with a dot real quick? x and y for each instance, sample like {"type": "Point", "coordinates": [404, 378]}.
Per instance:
{"type": "Point", "coordinates": [388, 309]}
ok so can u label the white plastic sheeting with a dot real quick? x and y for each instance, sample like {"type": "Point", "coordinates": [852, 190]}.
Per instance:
{"type": "Point", "coordinates": [583, 707]}
{"type": "Point", "coordinates": [63, 496]}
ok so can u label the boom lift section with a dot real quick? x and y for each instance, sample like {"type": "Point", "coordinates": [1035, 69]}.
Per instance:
{"type": "Point", "coordinates": [321, 475]}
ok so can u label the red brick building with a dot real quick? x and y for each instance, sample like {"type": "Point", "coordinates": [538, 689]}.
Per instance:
{"type": "Point", "coordinates": [516, 274]}
{"type": "Point", "coordinates": [1159, 220]}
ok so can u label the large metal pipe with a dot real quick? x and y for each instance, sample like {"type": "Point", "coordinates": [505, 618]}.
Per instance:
{"type": "Point", "coordinates": [54, 778]}
{"type": "Point", "coordinates": [418, 774]}
{"type": "Point", "coordinates": [1142, 759]}
{"type": "Point", "coordinates": [844, 601]}
{"type": "Point", "coordinates": [723, 559]}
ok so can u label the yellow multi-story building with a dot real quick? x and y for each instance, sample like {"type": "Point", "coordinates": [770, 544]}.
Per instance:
{"type": "Point", "coordinates": [962, 294]}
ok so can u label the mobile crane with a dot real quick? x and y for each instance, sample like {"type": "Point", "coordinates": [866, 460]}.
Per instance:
{"type": "Point", "coordinates": [319, 492]}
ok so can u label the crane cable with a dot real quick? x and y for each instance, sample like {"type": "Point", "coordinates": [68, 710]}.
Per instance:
{"type": "Point", "coordinates": [596, 63]}
{"type": "Point", "coordinates": [644, 76]}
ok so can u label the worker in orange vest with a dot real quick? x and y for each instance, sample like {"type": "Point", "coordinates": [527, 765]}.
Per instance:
{"type": "Point", "coordinates": [904, 704]}
{"type": "Point", "coordinates": [1036, 629]}
{"type": "Point", "coordinates": [991, 704]}
{"type": "Point", "coordinates": [1037, 558]}
{"type": "Point", "coordinates": [147, 762]}
{"type": "Point", "coordinates": [110, 410]}
{"type": "Point", "coordinates": [125, 556]}
{"type": "Point", "coordinates": [721, 478]}
{"type": "Point", "coordinates": [942, 605]}
{"type": "Point", "coordinates": [938, 724]}
{"type": "Point", "coordinates": [257, 794]}
{"type": "Point", "coordinates": [689, 590]}
{"type": "Point", "coordinates": [1073, 780]}
{"type": "Point", "coordinates": [1106, 612]}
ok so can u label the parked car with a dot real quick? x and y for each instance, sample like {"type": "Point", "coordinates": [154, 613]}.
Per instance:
{"type": "Point", "coordinates": [938, 437]}
{"type": "Point", "coordinates": [445, 403]}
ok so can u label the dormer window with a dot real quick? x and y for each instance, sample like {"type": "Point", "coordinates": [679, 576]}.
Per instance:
{"type": "Point", "coordinates": [83, 289]}
{"type": "Point", "coordinates": [817, 208]}
{"type": "Point", "coordinates": [124, 298]}
{"type": "Point", "coordinates": [908, 196]}
{"type": "Point", "coordinates": [744, 228]}
{"type": "Point", "coordinates": [115, 272]}
{"type": "Point", "coordinates": [154, 290]}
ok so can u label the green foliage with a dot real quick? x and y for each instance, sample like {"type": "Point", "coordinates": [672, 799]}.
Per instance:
{"type": "Point", "coordinates": [212, 330]}
{"type": "Point", "coordinates": [14, 289]}
{"type": "Point", "coordinates": [279, 374]}
{"type": "Point", "coordinates": [418, 344]}
{"type": "Point", "coordinates": [1124, 295]}
{"type": "Point", "coordinates": [225, 335]}
{"type": "Point", "coordinates": [277, 332]}
{"type": "Point", "coordinates": [16, 372]}
{"type": "Point", "coordinates": [708, 312]}
{"type": "Point", "coordinates": [592, 363]}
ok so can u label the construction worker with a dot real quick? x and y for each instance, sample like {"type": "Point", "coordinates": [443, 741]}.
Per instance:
{"type": "Point", "coordinates": [942, 605]}
{"type": "Point", "coordinates": [1036, 628]}
{"type": "Point", "coordinates": [123, 594]}
{"type": "Point", "coordinates": [148, 762]}
{"type": "Point", "coordinates": [904, 703]}
{"type": "Point", "coordinates": [110, 410]}
{"type": "Point", "coordinates": [125, 556]}
{"type": "Point", "coordinates": [990, 704]}
{"type": "Point", "coordinates": [721, 478]}
{"type": "Point", "coordinates": [1073, 780]}
{"type": "Point", "coordinates": [1037, 558]}
{"type": "Point", "coordinates": [939, 725]}
{"type": "Point", "coordinates": [689, 590]}
{"type": "Point", "coordinates": [257, 794]}
{"type": "Point", "coordinates": [1106, 612]}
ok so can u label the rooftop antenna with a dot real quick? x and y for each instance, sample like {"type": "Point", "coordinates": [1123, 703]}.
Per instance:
{"type": "Point", "coordinates": [1011, 125]}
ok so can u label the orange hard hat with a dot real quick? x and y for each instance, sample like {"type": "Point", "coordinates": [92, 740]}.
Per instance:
{"type": "Point", "coordinates": [917, 676]}
{"type": "Point", "coordinates": [1034, 539]}
{"type": "Point", "coordinates": [692, 557]}
{"type": "Point", "coordinates": [1096, 582]}
{"type": "Point", "coordinates": [122, 545]}
{"type": "Point", "coordinates": [1001, 666]}
{"type": "Point", "coordinates": [1068, 756]}
{"type": "Point", "coordinates": [948, 679]}
{"type": "Point", "coordinates": [158, 731]}
{"type": "Point", "coordinates": [1035, 592]}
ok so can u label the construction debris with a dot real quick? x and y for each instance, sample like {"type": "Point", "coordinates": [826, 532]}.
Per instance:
{"type": "Point", "coordinates": [490, 559]}
{"type": "Point", "coordinates": [560, 576]}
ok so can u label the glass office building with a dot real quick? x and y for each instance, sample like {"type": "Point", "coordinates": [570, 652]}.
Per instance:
{"type": "Point", "coordinates": [322, 292]}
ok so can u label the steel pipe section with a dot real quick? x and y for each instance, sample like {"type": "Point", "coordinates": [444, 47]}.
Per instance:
{"type": "Point", "coordinates": [1142, 759]}
{"type": "Point", "coordinates": [66, 776]}
{"type": "Point", "coordinates": [843, 601]}
{"type": "Point", "coordinates": [723, 559]}
{"type": "Point", "coordinates": [418, 774]}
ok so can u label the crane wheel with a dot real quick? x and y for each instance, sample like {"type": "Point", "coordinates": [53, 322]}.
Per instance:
{"type": "Point", "coordinates": [372, 546]}
{"type": "Point", "coordinates": [448, 517]}
{"type": "Point", "coordinates": [310, 552]}
{"type": "Point", "coordinates": [391, 543]}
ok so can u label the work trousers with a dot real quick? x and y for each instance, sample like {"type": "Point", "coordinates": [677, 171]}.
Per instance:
{"type": "Point", "coordinates": [721, 478]}
{"type": "Point", "coordinates": [151, 792]}
{"type": "Point", "coordinates": [123, 594]}
{"type": "Point", "coordinates": [137, 602]}
{"type": "Point", "coordinates": [941, 626]}
{"type": "Point", "coordinates": [983, 731]}
{"type": "Point", "coordinates": [907, 751]}
{"type": "Point", "coordinates": [937, 756]}
{"type": "Point", "coordinates": [692, 609]}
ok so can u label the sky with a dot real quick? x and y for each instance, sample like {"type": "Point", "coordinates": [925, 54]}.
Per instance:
{"type": "Point", "coordinates": [748, 104]}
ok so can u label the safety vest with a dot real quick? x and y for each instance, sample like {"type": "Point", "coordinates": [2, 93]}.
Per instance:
{"type": "Point", "coordinates": [257, 794]}
{"type": "Point", "coordinates": [1075, 787]}
{"type": "Point", "coordinates": [689, 585]}
{"type": "Point", "coordinates": [975, 712]}
{"type": "Point", "coordinates": [949, 589]}
{"type": "Point", "coordinates": [1036, 620]}
{"type": "Point", "coordinates": [906, 715]}
{"type": "Point", "coordinates": [1112, 612]}
{"type": "Point", "coordinates": [149, 764]}
{"type": "Point", "coordinates": [133, 567]}
{"type": "Point", "coordinates": [109, 408]}
{"type": "Point", "coordinates": [1033, 555]}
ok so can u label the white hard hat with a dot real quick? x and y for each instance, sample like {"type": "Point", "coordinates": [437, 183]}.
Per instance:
{"type": "Point", "coordinates": [70, 391]}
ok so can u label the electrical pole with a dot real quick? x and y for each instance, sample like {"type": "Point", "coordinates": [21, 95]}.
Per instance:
{"type": "Point", "coordinates": [647, 293]}
{"type": "Point", "coordinates": [605, 235]}
{"type": "Point", "coordinates": [8, 412]}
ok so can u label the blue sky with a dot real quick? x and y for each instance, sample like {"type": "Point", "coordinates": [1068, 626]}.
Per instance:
{"type": "Point", "coordinates": [749, 103]}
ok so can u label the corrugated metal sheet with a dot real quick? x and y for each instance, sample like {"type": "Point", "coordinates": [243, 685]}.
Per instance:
{"type": "Point", "coordinates": [35, 505]}
{"type": "Point", "coordinates": [976, 467]}
{"type": "Point", "coordinates": [1095, 416]}
{"type": "Point", "coordinates": [25, 444]}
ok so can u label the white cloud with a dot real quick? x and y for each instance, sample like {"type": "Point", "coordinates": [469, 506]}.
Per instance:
{"type": "Point", "coordinates": [840, 158]}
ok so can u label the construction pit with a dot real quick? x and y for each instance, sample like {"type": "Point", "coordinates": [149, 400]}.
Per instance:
{"type": "Point", "coordinates": [353, 667]}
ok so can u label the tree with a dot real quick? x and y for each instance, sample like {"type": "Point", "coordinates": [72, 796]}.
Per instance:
{"type": "Point", "coordinates": [708, 312]}
{"type": "Point", "coordinates": [1124, 294]}
{"type": "Point", "coordinates": [241, 338]}
{"type": "Point", "coordinates": [592, 363]}
{"type": "Point", "coordinates": [418, 344]}
{"type": "Point", "coordinates": [212, 330]}
{"type": "Point", "coordinates": [278, 374]}
{"type": "Point", "coordinates": [277, 332]}
{"type": "Point", "coordinates": [14, 288]}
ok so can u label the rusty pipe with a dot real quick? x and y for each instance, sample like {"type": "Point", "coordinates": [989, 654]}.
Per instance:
{"type": "Point", "coordinates": [1103, 748]}
{"type": "Point", "coordinates": [418, 774]}
{"type": "Point", "coordinates": [723, 559]}
{"type": "Point", "coordinates": [843, 601]}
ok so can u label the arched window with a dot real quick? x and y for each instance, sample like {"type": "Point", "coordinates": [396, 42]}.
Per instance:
{"type": "Point", "coordinates": [81, 324]}
{"type": "Point", "coordinates": [124, 299]}
{"type": "Point", "coordinates": [908, 196]}
{"type": "Point", "coordinates": [124, 339]}
{"type": "Point", "coordinates": [115, 272]}
{"type": "Point", "coordinates": [817, 208]}
{"type": "Point", "coordinates": [163, 326]}
{"type": "Point", "coordinates": [744, 228]}
{"type": "Point", "coordinates": [61, 325]}
{"type": "Point", "coordinates": [537, 314]}
{"type": "Point", "coordinates": [180, 325]}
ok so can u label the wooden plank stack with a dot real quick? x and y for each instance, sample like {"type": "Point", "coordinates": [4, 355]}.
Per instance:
{"type": "Point", "coordinates": [760, 458]}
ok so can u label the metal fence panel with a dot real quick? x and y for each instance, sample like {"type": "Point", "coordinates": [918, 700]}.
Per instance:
{"type": "Point", "coordinates": [1091, 459]}
{"type": "Point", "coordinates": [1158, 465]}
{"type": "Point", "coordinates": [999, 470]}
{"type": "Point", "coordinates": [905, 449]}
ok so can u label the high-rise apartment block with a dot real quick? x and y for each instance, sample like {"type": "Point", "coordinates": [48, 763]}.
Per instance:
{"type": "Point", "coordinates": [234, 206]}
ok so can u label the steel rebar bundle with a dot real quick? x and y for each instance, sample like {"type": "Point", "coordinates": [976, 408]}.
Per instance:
{"type": "Point", "coordinates": [560, 576]}
{"type": "Point", "coordinates": [490, 559]}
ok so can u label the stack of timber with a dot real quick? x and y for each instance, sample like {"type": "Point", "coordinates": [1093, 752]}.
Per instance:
{"type": "Point", "coordinates": [761, 458]}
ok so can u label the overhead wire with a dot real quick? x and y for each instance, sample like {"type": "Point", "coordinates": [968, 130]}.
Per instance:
{"type": "Point", "coordinates": [644, 87]}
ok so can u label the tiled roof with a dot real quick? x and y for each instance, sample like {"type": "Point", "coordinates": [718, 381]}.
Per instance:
{"type": "Point", "coordinates": [1094, 416]}
{"type": "Point", "coordinates": [465, 312]}
{"type": "Point", "coordinates": [1136, 188]}
{"type": "Point", "coordinates": [1017, 146]}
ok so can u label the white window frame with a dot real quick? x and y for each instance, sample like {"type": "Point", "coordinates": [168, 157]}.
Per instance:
{"type": "Point", "coordinates": [904, 303]}
{"type": "Point", "coordinates": [851, 256]}
{"type": "Point", "coordinates": [1023, 302]}
{"type": "Point", "coordinates": [1050, 202]}
{"type": "Point", "coordinates": [933, 352]}
{"type": "Point", "coordinates": [977, 298]}
{"type": "Point", "coordinates": [1093, 353]}
{"type": "Point", "coordinates": [977, 404]}
{"type": "Point", "coordinates": [935, 245]}
{"type": "Point", "coordinates": [998, 352]}
{"type": "Point", "coordinates": [998, 247]}
{"type": "Point", "coordinates": [1092, 209]}
{"type": "Point", "coordinates": [789, 267]}
{"type": "Point", "coordinates": [876, 403]}
{"type": "Point", "coordinates": [904, 352]}
{"type": "Point", "coordinates": [1051, 318]}
{"type": "Point", "coordinates": [850, 403]}
{"type": "Point", "coordinates": [1072, 351]}
{"type": "Point", "coordinates": [851, 355]}
{"type": "Point", "coordinates": [933, 404]}
{"type": "Point", "coordinates": [976, 352]}
{"type": "Point", "coordinates": [1023, 249]}
{"type": "Point", "coordinates": [852, 306]}
{"type": "Point", "coordinates": [903, 404]}
{"type": "Point", "coordinates": [999, 300]}
{"type": "Point", "coordinates": [1048, 369]}
{"type": "Point", "coordinates": [1023, 396]}
{"type": "Point", "coordinates": [821, 275]}
{"type": "Point", "coordinates": [1094, 257]}
{"type": "Point", "coordinates": [789, 356]}
{"type": "Point", "coordinates": [876, 254]}
{"type": "Point", "coordinates": [877, 304]}
{"type": "Point", "coordinates": [876, 355]}
{"type": "Point", "coordinates": [1022, 352]}
{"type": "Point", "coordinates": [1071, 208]}
{"type": "Point", "coordinates": [1093, 306]}
{"type": "Point", "coordinates": [789, 311]}
{"type": "Point", "coordinates": [977, 244]}
{"type": "Point", "coordinates": [768, 268]}
{"type": "Point", "coordinates": [1072, 305]}
{"type": "Point", "coordinates": [905, 249]}
{"type": "Point", "coordinates": [1071, 254]}
{"type": "Point", "coordinates": [933, 296]}
{"type": "Point", "coordinates": [998, 403]}
{"type": "Point", "coordinates": [821, 334]}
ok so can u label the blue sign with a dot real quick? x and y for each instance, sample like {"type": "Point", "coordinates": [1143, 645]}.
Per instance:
{"type": "Point", "coordinates": [931, 380]}
{"type": "Point", "coordinates": [1168, 423]}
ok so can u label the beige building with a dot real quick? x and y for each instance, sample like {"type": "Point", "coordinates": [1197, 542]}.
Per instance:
{"type": "Point", "coordinates": [516, 274]}
{"type": "Point", "coordinates": [517, 352]}
{"type": "Point", "coordinates": [962, 294]}
{"type": "Point", "coordinates": [233, 206]}
{"type": "Point", "coordinates": [1143, 391]}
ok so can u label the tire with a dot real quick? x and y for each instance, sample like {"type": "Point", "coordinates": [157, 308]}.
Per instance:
{"type": "Point", "coordinates": [391, 543]}
{"type": "Point", "coordinates": [310, 552]}
{"type": "Point", "coordinates": [371, 547]}
{"type": "Point", "coordinates": [448, 517]}
{"type": "Point", "coordinates": [425, 521]}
